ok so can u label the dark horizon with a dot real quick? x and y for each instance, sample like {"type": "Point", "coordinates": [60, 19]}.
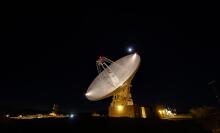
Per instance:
{"type": "Point", "coordinates": [51, 59]}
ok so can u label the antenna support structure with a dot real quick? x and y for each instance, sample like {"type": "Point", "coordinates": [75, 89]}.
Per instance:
{"type": "Point", "coordinates": [122, 104]}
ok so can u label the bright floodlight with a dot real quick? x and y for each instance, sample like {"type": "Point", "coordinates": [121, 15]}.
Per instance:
{"type": "Point", "coordinates": [120, 108]}
{"type": "Point", "coordinates": [130, 49]}
{"type": "Point", "coordinates": [71, 115]}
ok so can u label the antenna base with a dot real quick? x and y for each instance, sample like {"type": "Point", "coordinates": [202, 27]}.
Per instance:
{"type": "Point", "coordinates": [122, 103]}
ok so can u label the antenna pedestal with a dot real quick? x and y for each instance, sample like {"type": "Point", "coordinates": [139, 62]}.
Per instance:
{"type": "Point", "coordinates": [122, 103]}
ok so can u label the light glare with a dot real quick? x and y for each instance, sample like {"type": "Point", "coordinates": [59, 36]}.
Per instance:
{"type": "Point", "coordinates": [130, 49]}
{"type": "Point", "coordinates": [120, 108]}
{"type": "Point", "coordinates": [71, 115]}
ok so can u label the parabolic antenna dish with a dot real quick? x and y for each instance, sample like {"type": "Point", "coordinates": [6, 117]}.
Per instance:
{"type": "Point", "coordinates": [112, 78]}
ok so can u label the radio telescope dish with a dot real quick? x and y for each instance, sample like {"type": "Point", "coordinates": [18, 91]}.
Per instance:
{"type": "Point", "coordinates": [113, 76]}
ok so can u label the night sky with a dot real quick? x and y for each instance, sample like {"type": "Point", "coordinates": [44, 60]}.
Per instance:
{"type": "Point", "coordinates": [51, 59]}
